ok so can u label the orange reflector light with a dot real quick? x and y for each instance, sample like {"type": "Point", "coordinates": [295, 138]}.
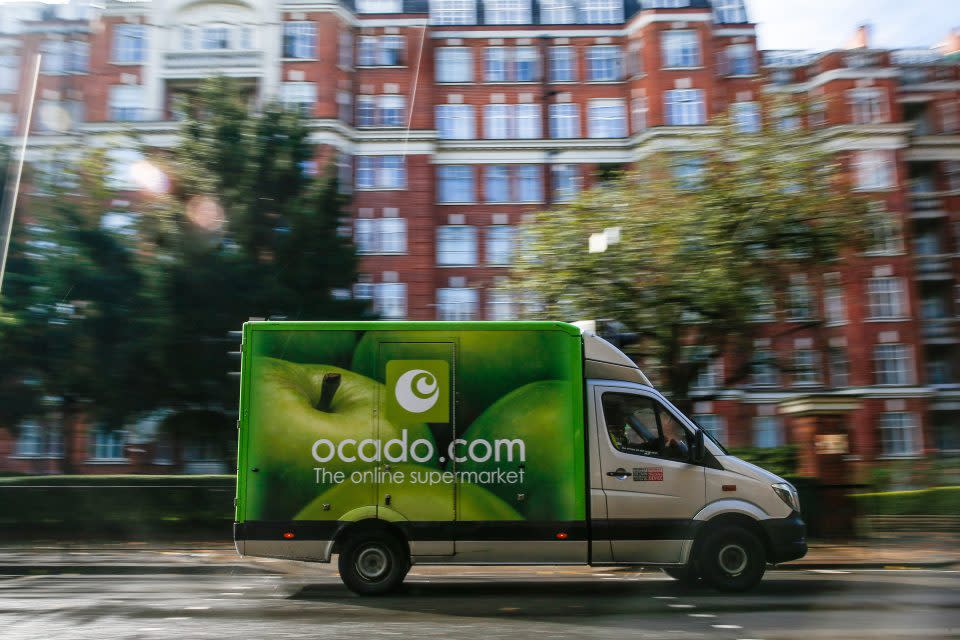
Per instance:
{"type": "Point", "coordinates": [561, 536]}
{"type": "Point", "coordinates": [729, 487]}
{"type": "Point", "coordinates": [288, 535]}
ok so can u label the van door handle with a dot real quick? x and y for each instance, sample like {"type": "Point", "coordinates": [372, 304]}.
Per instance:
{"type": "Point", "coordinates": [619, 474]}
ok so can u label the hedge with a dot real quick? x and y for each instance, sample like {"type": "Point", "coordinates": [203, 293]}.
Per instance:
{"type": "Point", "coordinates": [937, 501]}
{"type": "Point", "coordinates": [125, 506]}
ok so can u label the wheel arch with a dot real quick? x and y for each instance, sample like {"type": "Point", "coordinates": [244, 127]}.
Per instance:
{"type": "Point", "coordinates": [368, 525]}
{"type": "Point", "coordinates": [737, 518]}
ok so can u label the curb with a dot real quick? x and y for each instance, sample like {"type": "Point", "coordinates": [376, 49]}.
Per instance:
{"type": "Point", "coordinates": [134, 569]}
{"type": "Point", "coordinates": [807, 566]}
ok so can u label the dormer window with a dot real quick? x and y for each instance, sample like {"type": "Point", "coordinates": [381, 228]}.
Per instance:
{"type": "Point", "coordinates": [453, 12]}
{"type": "Point", "coordinates": [601, 11]}
{"type": "Point", "coordinates": [729, 12]}
{"type": "Point", "coordinates": [558, 12]}
{"type": "Point", "coordinates": [379, 6]}
{"type": "Point", "coordinates": [506, 11]}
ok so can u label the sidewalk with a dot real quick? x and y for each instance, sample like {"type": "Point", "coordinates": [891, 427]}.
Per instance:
{"type": "Point", "coordinates": [929, 551]}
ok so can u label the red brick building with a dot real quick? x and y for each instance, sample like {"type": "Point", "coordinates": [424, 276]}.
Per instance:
{"type": "Point", "coordinates": [453, 119]}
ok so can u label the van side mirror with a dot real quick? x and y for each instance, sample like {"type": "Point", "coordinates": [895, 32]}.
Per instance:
{"type": "Point", "coordinates": [699, 451]}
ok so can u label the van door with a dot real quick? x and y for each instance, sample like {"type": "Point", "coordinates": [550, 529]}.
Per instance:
{"type": "Point", "coordinates": [418, 396]}
{"type": "Point", "coordinates": [652, 490]}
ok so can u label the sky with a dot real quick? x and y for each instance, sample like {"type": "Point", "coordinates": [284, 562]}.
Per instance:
{"type": "Point", "coordinates": [829, 24]}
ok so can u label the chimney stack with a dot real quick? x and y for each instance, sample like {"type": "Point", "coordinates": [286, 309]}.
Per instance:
{"type": "Point", "coordinates": [861, 38]}
{"type": "Point", "coordinates": [951, 44]}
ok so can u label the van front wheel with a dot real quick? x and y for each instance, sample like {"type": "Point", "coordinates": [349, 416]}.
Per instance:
{"type": "Point", "coordinates": [373, 564]}
{"type": "Point", "coordinates": [732, 559]}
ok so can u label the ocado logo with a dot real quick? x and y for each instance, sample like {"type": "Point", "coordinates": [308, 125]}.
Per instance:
{"type": "Point", "coordinates": [417, 391]}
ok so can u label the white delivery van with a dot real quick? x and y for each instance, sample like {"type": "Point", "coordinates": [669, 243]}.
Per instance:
{"type": "Point", "coordinates": [392, 443]}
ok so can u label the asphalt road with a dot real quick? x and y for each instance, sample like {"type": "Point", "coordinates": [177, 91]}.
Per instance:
{"type": "Point", "coordinates": [480, 603]}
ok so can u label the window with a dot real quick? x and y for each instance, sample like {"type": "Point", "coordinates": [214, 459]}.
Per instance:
{"type": "Point", "coordinates": [688, 171]}
{"type": "Point", "coordinates": [502, 121]}
{"type": "Point", "coordinates": [634, 62]}
{"type": "Point", "coordinates": [873, 170]}
{"type": "Point", "coordinates": [767, 432]}
{"type": "Point", "coordinates": [381, 172]}
{"type": "Point", "coordinates": [215, 38]}
{"type": "Point", "coordinates": [299, 40]}
{"type": "Point", "coordinates": [456, 245]}
{"type": "Point", "coordinates": [564, 121]}
{"type": "Point", "coordinates": [455, 184]}
{"type": "Point", "coordinates": [380, 235]}
{"type": "Point", "coordinates": [729, 12]}
{"type": "Point", "coordinates": [680, 49]}
{"type": "Point", "coordinates": [684, 107]}
{"type": "Point", "coordinates": [868, 106]}
{"type": "Point", "coordinates": [345, 106]}
{"type": "Point", "coordinates": [839, 365]}
{"type": "Point", "coordinates": [563, 64]}
{"type": "Point", "coordinates": [715, 425]}
{"type": "Point", "coordinates": [380, 51]}
{"type": "Point", "coordinates": [763, 368]}
{"type": "Point", "coordinates": [899, 434]}
{"type": "Point", "coordinates": [566, 182]}
{"type": "Point", "coordinates": [35, 441]}
{"type": "Point", "coordinates": [78, 56]}
{"type": "Point", "coordinates": [558, 12]}
{"type": "Point", "coordinates": [9, 73]}
{"type": "Point", "coordinates": [746, 117]}
{"type": "Point", "coordinates": [455, 122]}
{"type": "Point", "coordinates": [834, 309]}
{"type": "Point", "coordinates": [107, 444]}
{"type": "Point", "coordinates": [298, 96]}
{"type": "Point", "coordinates": [379, 6]}
{"type": "Point", "coordinates": [891, 364]}
{"type": "Point", "coordinates": [453, 12]}
{"type": "Point", "coordinates": [381, 111]}
{"type": "Point", "coordinates": [454, 64]}
{"type": "Point", "coordinates": [885, 297]}
{"type": "Point", "coordinates": [604, 64]}
{"type": "Point", "coordinates": [126, 103]}
{"type": "Point", "coordinates": [129, 43]}
{"type": "Point", "coordinates": [499, 305]}
{"type": "Point", "coordinates": [800, 300]}
{"type": "Point", "coordinates": [506, 11]}
{"type": "Point", "coordinates": [949, 117]}
{"type": "Point", "coordinates": [457, 303]}
{"type": "Point", "coordinates": [787, 118]}
{"type": "Point", "coordinates": [639, 110]}
{"type": "Point", "coordinates": [607, 118]}
{"type": "Point", "coordinates": [517, 64]}
{"type": "Point", "coordinates": [527, 122]}
{"type": "Point", "coordinates": [601, 11]}
{"type": "Point", "coordinates": [345, 50]}
{"type": "Point", "coordinates": [806, 370]}
{"type": "Point", "coordinates": [952, 169]}
{"type": "Point", "coordinates": [518, 183]}
{"type": "Point", "coordinates": [740, 60]}
{"type": "Point", "coordinates": [53, 58]}
{"type": "Point", "coordinates": [639, 425]}
{"type": "Point", "coordinates": [710, 376]}
{"type": "Point", "coordinates": [8, 123]}
{"type": "Point", "coordinates": [885, 238]}
{"type": "Point", "coordinates": [499, 248]}
{"type": "Point", "coordinates": [390, 300]}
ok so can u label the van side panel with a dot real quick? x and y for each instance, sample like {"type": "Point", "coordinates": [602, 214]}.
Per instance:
{"type": "Point", "coordinates": [467, 437]}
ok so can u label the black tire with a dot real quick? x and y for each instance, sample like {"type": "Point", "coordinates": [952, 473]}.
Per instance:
{"type": "Point", "coordinates": [373, 563]}
{"type": "Point", "coordinates": [687, 576]}
{"type": "Point", "coordinates": [732, 558]}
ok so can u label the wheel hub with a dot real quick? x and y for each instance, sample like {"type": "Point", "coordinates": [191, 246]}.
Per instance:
{"type": "Point", "coordinates": [372, 563]}
{"type": "Point", "coordinates": [733, 559]}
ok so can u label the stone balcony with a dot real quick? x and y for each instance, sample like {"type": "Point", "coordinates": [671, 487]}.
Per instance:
{"type": "Point", "coordinates": [199, 64]}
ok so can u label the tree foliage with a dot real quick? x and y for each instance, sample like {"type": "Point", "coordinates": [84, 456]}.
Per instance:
{"type": "Point", "coordinates": [693, 262]}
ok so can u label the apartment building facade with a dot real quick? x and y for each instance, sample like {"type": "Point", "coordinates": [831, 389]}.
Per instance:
{"type": "Point", "coordinates": [452, 120]}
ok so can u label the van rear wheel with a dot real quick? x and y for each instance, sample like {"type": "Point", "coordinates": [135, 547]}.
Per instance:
{"type": "Point", "coordinates": [373, 563]}
{"type": "Point", "coordinates": [732, 559]}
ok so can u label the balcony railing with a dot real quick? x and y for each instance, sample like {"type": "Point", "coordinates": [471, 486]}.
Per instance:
{"type": "Point", "coordinates": [206, 59]}
{"type": "Point", "coordinates": [926, 206]}
{"type": "Point", "coordinates": [937, 267]}
{"type": "Point", "coordinates": [940, 329]}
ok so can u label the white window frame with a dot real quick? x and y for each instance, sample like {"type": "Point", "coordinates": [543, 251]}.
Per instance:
{"type": "Point", "coordinates": [565, 121]}
{"type": "Point", "coordinates": [607, 118]}
{"type": "Point", "coordinates": [900, 435]}
{"type": "Point", "coordinates": [390, 300]}
{"type": "Point", "coordinates": [746, 117]}
{"type": "Point", "coordinates": [563, 64]}
{"type": "Point", "coordinates": [506, 12]}
{"type": "Point", "coordinates": [604, 63]}
{"type": "Point", "coordinates": [892, 364]}
{"type": "Point", "coordinates": [684, 107]}
{"type": "Point", "coordinates": [454, 65]}
{"type": "Point", "coordinates": [868, 105]}
{"type": "Point", "coordinates": [560, 173]}
{"type": "Point", "coordinates": [126, 102]}
{"type": "Point", "coordinates": [456, 245]}
{"type": "Point", "coordinates": [737, 54]}
{"type": "Point", "coordinates": [768, 432]}
{"type": "Point", "coordinates": [456, 184]}
{"type": "Point", "coordinates": [453, 12]}
{"type": "Point", "coordinates": [129, 44]}
{"type": "Point", "coordinates": [601, 11]}
{"type": "Point", "coordinates": [874, 169]}
{"type": "Point", "coordinates": [299, 96]}
{"type": "Point", "coordinates": [729, 12]}
{"type": "Point", "coordinates": [886, 298]}
{"type": "Point", "coordinates": [455, 122]}
{"type": "Point", "coordinates": [558, 12]}
{"type": "Point", "coordinates": [380, 173]}
{"type": "Point", "coordinates": [680, 49]}
{"type": "Point", "coordinates": [499, 245]}
{"type": "Point", "coordinates": [457, 303]}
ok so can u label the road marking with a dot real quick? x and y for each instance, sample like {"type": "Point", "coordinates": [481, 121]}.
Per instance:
{"type": "Point", "coordinates": [683, 606]}
{"type": "Point", "coordinates": [195, 608]}
{"type": "Point", "coordinates": [231, 593]}
{"type": "Point", "coordinates": [664, 597]}
{"type": "Point", "coordinates": [701, 615]}
{"type": "Point", "coordinates": [178, 618]}
{"type": "Point", "coordinates": [726, 626]}
{"type": "Point", "coordinates": [827, 571]}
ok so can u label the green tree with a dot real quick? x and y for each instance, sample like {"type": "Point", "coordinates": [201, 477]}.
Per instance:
{"type": "Point", "coordinates": [84, 307]}
{"type": "Point", "coordinates": [698, 246]}
{"type": "Point", "coordinates": [256, 235]}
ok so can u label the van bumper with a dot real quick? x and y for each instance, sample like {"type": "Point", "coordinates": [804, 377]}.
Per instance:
{"type": "Point", "coordinates": [787, 536]}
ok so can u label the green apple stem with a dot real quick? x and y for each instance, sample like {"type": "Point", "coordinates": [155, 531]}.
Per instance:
{"type": "Point", "coordinates": [331, 382]}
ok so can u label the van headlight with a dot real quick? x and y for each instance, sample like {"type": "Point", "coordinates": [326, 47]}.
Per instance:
{"type": "Point", "coordinates": [788, 494]}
